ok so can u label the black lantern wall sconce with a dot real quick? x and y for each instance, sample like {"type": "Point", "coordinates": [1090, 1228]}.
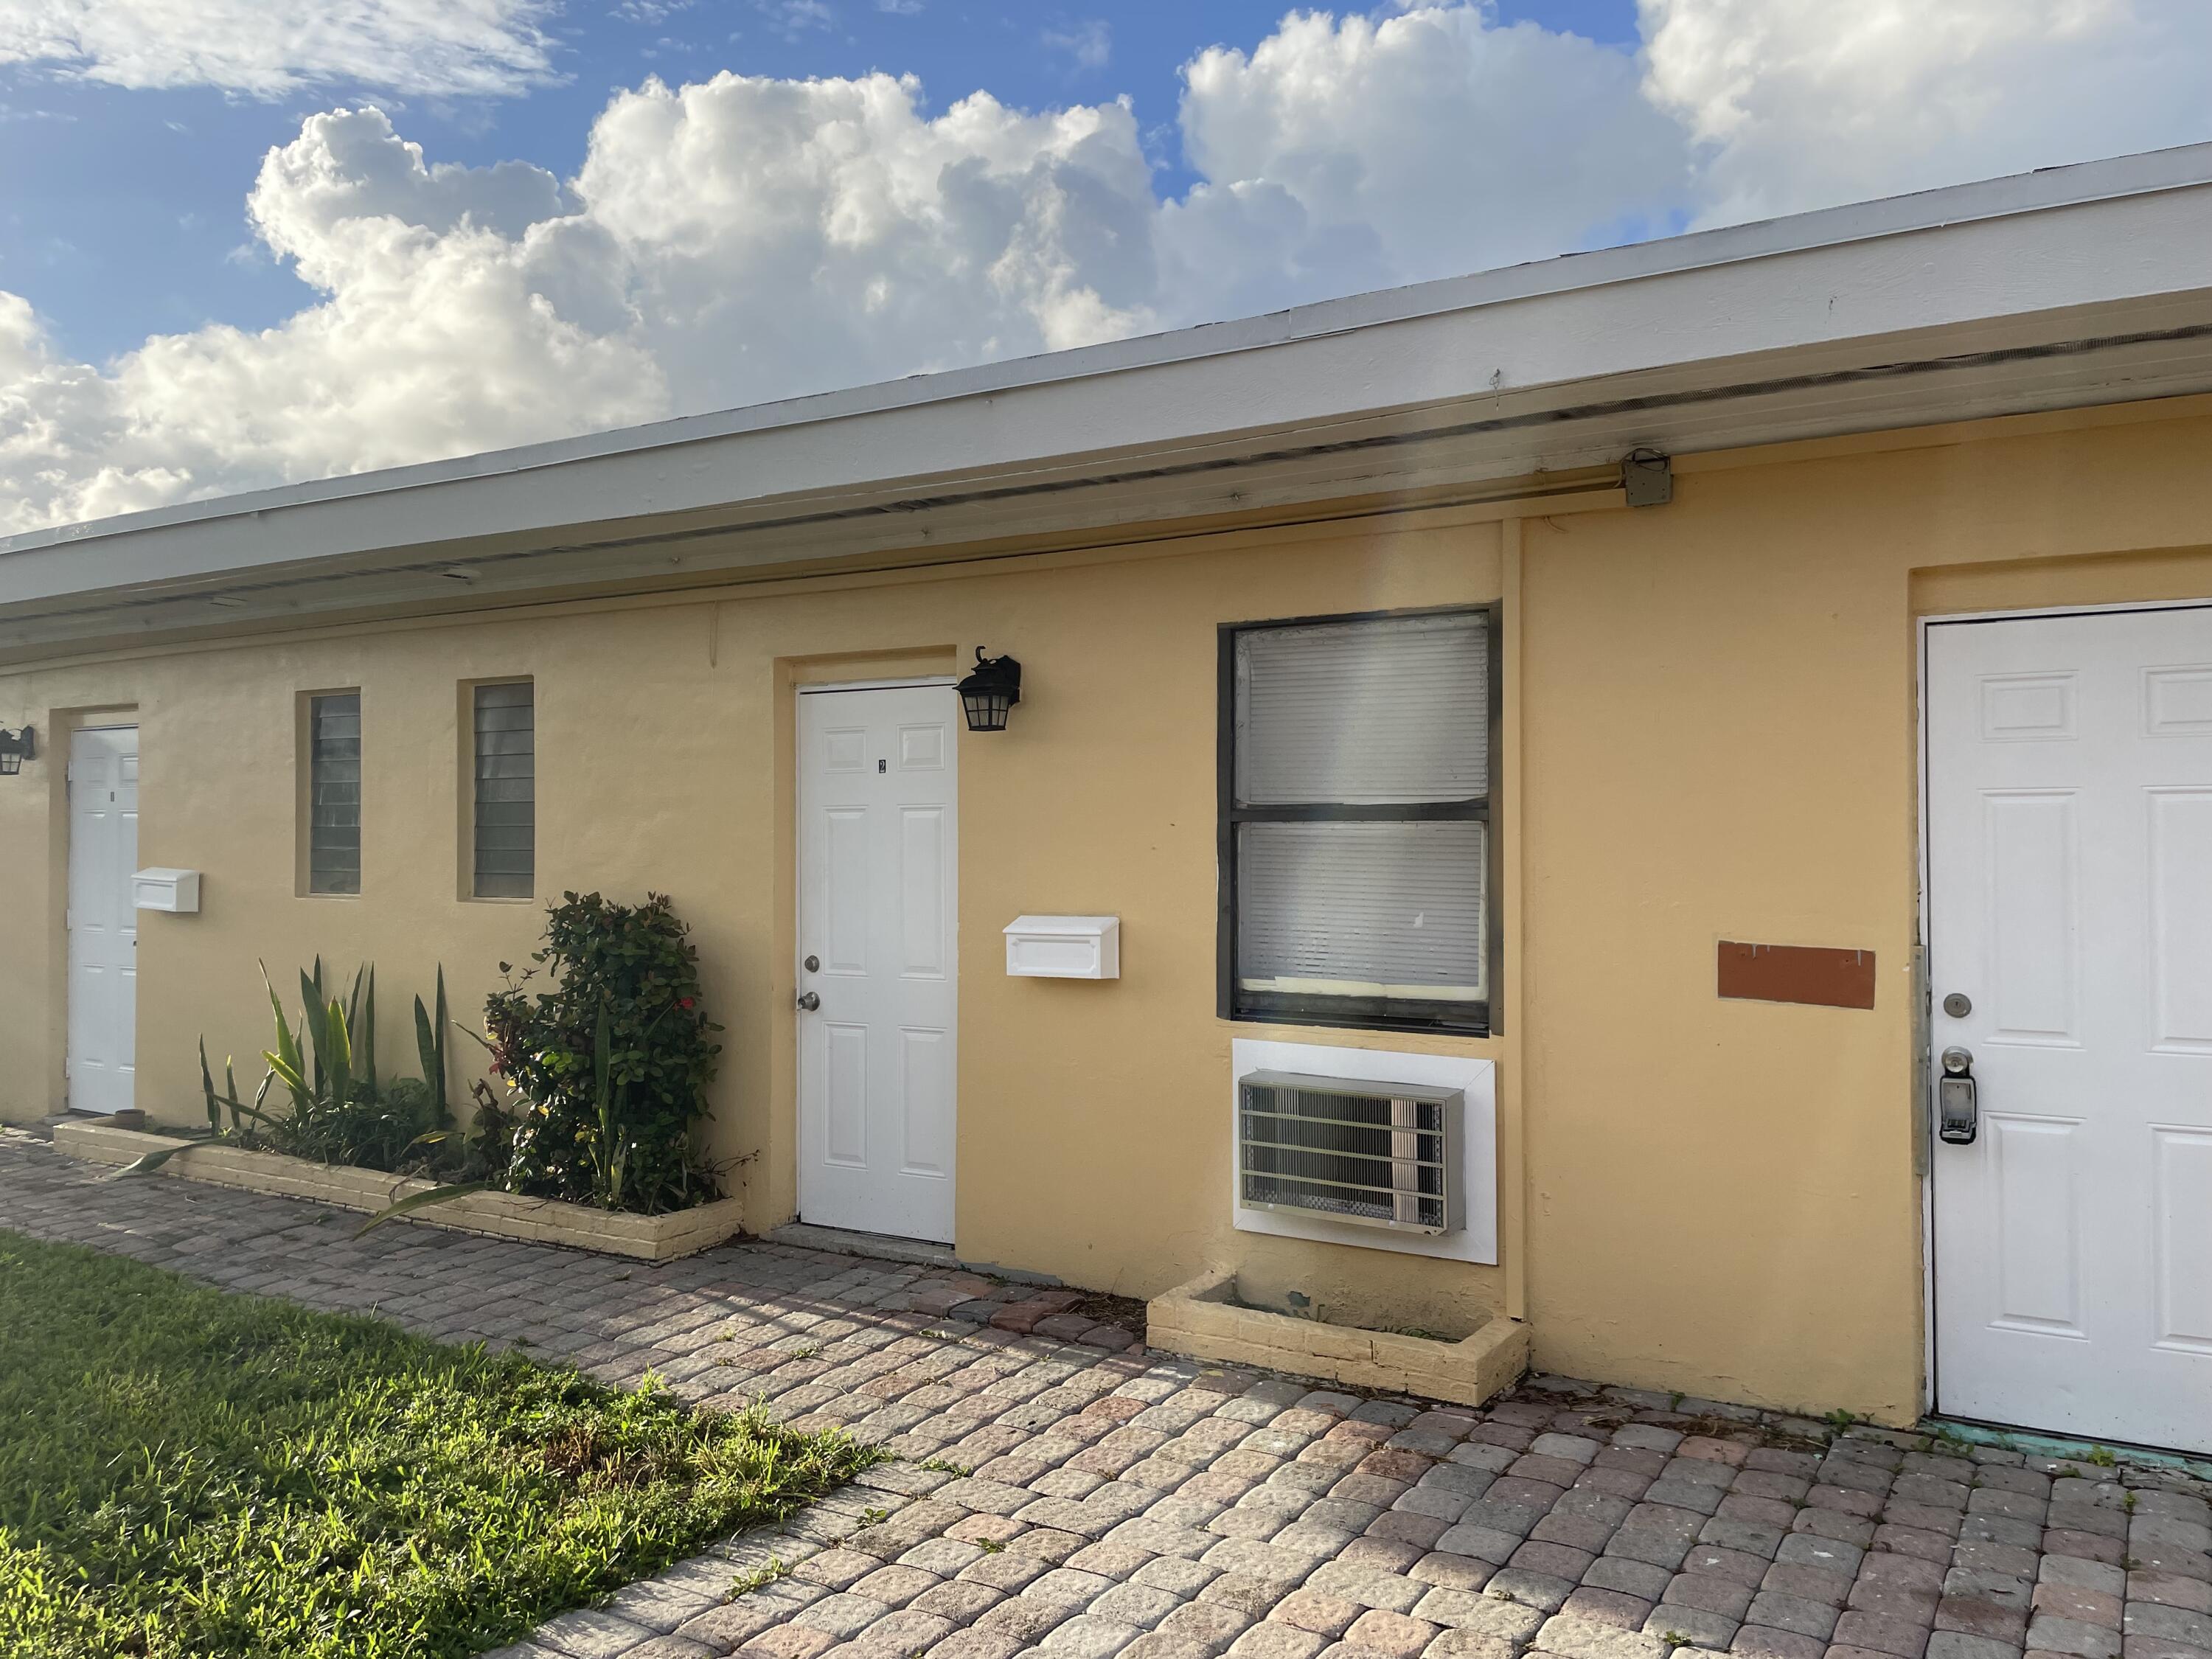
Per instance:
{"type": "Point", "coordinates": [15, 748]}
{"type": "Point", "coordinates": [993, 687]}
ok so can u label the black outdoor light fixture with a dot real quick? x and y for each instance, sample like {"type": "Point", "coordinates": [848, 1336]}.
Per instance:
{"type": "Point", "coordinates": [15, 748]}
{"type": "Point", "coordinates": [994, 687]}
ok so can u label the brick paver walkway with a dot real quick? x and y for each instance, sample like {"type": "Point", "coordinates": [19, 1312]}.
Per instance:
{"type": "Point", "coordinates": [1085, 1503]}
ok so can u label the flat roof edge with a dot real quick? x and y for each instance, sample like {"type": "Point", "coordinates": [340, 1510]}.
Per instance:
{"type": "Point", "coordinates": [2043, 191]}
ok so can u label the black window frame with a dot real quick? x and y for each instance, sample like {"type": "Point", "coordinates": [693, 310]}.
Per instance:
{"type": "Point", "coordinates": [1369, 1013]}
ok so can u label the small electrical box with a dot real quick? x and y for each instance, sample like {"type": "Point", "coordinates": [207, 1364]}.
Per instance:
{"type": "Point", "coordinates": [1647, 478]}
{"type": "Point", "coordinates": [174, 890]}
{"type": "Point", "coordinates": [1064, 947]}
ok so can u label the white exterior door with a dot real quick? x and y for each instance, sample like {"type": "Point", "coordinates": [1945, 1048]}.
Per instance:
{"type": "Point", "coordinates": [878, 867]}
{"type": "Point", "coordinates": [2069, 901]}
{"type": "Point", "coordinates": [103, 927]}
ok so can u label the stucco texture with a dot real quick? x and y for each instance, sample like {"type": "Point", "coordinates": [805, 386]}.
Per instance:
{"type": "Point", "coordinates": [1093, 1141]}
{"type": "Point", "coordinates": [1710, 708]}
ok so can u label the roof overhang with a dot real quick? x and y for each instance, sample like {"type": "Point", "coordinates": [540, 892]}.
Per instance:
{"type": "Point", "coordinates": [2081, 285]}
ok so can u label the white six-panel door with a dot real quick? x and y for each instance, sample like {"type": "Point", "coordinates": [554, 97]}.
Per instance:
{"type": "Point", "coordinates": [878, 866]}
{"type": "Point", "coordinates": [103, 927]}
{"type": "Point", "coordinates": [2069, 901]}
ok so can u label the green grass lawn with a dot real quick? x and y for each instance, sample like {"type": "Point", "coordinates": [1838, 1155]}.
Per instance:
{"type": "Point", "coordinates": [185, 1472]}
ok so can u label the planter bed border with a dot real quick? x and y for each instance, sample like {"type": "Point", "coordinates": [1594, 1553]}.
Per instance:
{"type": "Point", "coordinates": [1202, 1319]}
{"type": "Point", "coordinates": [501, 1215]}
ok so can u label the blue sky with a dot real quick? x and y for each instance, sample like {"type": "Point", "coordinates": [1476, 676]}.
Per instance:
{"type": "Point", "coordinates": [122, 217]}
{"type": "Point", "coordinates": [249, 242]}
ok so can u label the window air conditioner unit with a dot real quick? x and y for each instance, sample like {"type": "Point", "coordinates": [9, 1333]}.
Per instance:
{"type": "Point", "coordinates": [1379, 1154]}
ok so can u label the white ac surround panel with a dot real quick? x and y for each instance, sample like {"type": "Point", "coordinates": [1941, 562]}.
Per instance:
{"type": "Point", "coordinates": [1476, 1079]}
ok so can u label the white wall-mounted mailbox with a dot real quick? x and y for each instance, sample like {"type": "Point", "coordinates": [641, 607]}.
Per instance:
{"type": "Point", "coordinates": [1064, 947]}
{"type": "Point", "coordinates": [160, 889]}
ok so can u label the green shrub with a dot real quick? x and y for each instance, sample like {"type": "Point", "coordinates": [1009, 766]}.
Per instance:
{"type": "Point", "coordinates": [610, 1063]}
{"type": "Point", "coordinates": [605, 1072]}
{"type": "Point", "coordinates": [341, 1111]}
{"type": "Point", "coordinates": [378, 1126]}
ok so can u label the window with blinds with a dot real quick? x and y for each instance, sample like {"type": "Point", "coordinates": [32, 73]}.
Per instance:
{"type": "Point", "coordinates": [1355, 827]}
{"type": "Point", "coordinates": [506, 827]}
{"type": "Point", "coordinates": [334, 793]}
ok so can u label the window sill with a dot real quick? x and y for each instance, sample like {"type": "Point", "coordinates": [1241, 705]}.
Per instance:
{"type": "Point", "coordinates": [1457, 1021]}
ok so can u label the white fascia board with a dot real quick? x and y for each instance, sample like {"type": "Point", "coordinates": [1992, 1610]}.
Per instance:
{"type": "Point", "coordinates": [1948, 270]}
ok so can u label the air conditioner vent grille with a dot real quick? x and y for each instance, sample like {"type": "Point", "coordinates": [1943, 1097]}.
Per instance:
{"type": "Point", "coordinates": [1379, 1154]}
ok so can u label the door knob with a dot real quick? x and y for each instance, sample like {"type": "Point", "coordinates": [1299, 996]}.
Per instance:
{"type": "Point", "coordinates": [809, 1001]}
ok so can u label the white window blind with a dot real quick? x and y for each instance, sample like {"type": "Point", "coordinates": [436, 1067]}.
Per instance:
{"type": "Point", "coordinates": [1357, 823]}
{"type": "Point", "coordinates": [1362, 909]}
{"type": "Point", "coordinates": [1396, 709]}
{"type": "Point", "coordinates": [506, 791]}
{"type": "Point", "coordinates": [334, 793]}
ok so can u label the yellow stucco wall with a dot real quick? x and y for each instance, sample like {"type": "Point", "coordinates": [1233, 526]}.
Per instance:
{"type": "Point", "coordinates": [1720, 719]}
{"type": "Point", "coordinates": [1092, 1138]}
{"type": "Point", "coordinates": [1713, 721]}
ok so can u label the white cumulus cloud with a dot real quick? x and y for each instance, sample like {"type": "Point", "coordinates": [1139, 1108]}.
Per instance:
{"type": "Point", "coordinates": [737, 240]}
{"type": "Point", "coordinates": [746, 238]}
{"type": "Point", "coordinates": [1797, 104]}
{"type": "Point", "coordinates": [435, 337]}
{"type": "Point", "coordinates": [269, 48]}
{"type": "Point", "coordinates": [1344, 154]}
{"type": "Point", "coordinates": [781, 236]}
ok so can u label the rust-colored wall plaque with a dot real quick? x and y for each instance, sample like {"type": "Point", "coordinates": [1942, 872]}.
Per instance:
{"type": "Point", "coordinates": [1797, 972]}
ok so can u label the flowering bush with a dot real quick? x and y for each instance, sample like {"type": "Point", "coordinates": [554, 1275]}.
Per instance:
{"type": "Point", "coordinates": [608, 1066]}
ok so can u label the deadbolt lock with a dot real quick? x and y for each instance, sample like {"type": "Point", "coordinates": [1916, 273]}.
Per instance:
{"type": "Point", "coordinates": [1958, 1005]}
{"type": "Point", "coordinates": [814, 964]}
